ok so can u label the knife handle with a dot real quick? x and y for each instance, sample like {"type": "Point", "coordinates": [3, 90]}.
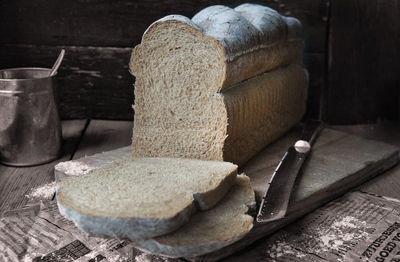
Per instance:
{"type": "Point", "coordinates": [276, 199]}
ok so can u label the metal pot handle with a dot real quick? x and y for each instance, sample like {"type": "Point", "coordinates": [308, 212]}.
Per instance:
{"type": "Point", "coordinates": [10, 93]}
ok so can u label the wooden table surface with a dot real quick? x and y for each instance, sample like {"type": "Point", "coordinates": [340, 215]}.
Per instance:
{"type": "Point", "coordinates": [87, 137]}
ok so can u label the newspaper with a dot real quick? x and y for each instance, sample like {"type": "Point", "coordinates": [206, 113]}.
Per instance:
{"type": "Point", "coordinates": [39, 233]}
{"type": "Point", "coordinates": [356, 227]}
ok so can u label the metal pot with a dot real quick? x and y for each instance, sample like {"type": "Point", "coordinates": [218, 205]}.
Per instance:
{"type": "Point", "coordinates": [30, 129]}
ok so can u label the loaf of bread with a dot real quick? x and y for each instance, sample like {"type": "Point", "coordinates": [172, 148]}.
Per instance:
{"type": "Point", "coordinates": [143, 198]}
{"type": "Point", "coordinates": [211, 230]}
{"type": "Point", "coordinates": [219, 86]}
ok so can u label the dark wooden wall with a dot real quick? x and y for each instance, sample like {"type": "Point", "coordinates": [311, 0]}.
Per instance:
{"type": "Point", "coordinates": [351, 51]}
{"type": "Point", "coordinates": [363, 73]}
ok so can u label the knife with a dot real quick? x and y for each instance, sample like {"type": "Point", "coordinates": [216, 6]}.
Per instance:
{"type": "Point", "coordinates": [276, 199]}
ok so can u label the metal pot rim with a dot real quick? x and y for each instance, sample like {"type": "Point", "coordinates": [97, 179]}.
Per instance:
{"type": "Point", "coordinates": [25, 68]}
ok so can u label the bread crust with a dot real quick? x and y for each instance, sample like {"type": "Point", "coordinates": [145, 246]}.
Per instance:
{"type": "Point", "coordinates": [254, 38]}
{"type": "Point", "coordinates": [132, 228]}
{"type": "Point", "coordinates": [253, 125]}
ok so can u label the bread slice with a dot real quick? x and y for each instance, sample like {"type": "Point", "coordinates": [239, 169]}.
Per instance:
{"type": "Point", "coordinates": [186, 69]}
{"type": "Point", "coordinates": [145, 197]}
{"type": "Point", "coordinates": [211, 230]}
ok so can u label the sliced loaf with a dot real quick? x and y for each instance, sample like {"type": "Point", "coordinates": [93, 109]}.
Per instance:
{"type": "Point", "coordinates": [143, 198]}
{"type": "Point", "coordinates": [220, 86]}
{"type": "Point", "coordinates": [211, 230]}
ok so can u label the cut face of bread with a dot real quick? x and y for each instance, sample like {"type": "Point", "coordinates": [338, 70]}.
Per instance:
{"type": "Point", "coordinates": [208, 231]}
{"type": "Point", "coordinates": [144, 197]}
{"type": "Point", "coordinates": [187, 69]}
{"type": "Point", "coordinates": [178, 112]}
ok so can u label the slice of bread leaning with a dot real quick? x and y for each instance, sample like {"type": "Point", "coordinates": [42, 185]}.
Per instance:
{"type": "Point", "coordinates": [211, 230]}
{"type": "Point", "coordinates": [144, 197]}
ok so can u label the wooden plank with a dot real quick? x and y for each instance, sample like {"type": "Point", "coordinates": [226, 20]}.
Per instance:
{"type": "Point", "coordinates": [339, 161]}
{"type": "Point", "coordinates": [363, 61]}
{"type": "Point", "coordinates": [387, 184]}
{"type": "Point", "coordinates": [93, 82]}
{"type": "Point", "coordinates": [387, 132]}
{"type": "Point", "coordinates": [103, 136]}
{"type": "Point", "coordinates": [17, 182]}
{"type": "Point", "coordinates": [314, 62]}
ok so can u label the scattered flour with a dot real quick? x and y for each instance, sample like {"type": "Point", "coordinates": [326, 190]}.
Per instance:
{"type": "Point", "coordinates": [118, 258]}
{"type": "Point", "coordinates": [43, 192]}
{"type": "Point", "coordinates": [282, 248]}
{"type": "Point", "coordinates": [74, 168]}
{"type": "Point", "coordinates": [348, 222]}
{"type": "Point", "coordinates": [149, 258]}
{"type": "Point", "coordinates": [86, 164]}
{"type": "Point", "coordinates": [327, 239]}
{"type": "Point", "coordinates": [319, 240]}
{"type": "Point", "coordinates": [347, 229]}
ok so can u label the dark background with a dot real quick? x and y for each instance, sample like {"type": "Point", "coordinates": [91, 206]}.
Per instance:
{"type": "Point", "coordinates": [352, 51]}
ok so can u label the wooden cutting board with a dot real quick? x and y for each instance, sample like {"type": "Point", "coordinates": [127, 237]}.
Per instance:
{"type": "Point", "coordinates": [338, 162]}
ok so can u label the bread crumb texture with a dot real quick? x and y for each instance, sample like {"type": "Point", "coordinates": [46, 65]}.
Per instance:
{"type": "Point", "coordinates": [146, 187]}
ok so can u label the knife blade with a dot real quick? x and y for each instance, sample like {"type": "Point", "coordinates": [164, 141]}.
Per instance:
{"type": "Point", "coordinates": [276, 199]}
